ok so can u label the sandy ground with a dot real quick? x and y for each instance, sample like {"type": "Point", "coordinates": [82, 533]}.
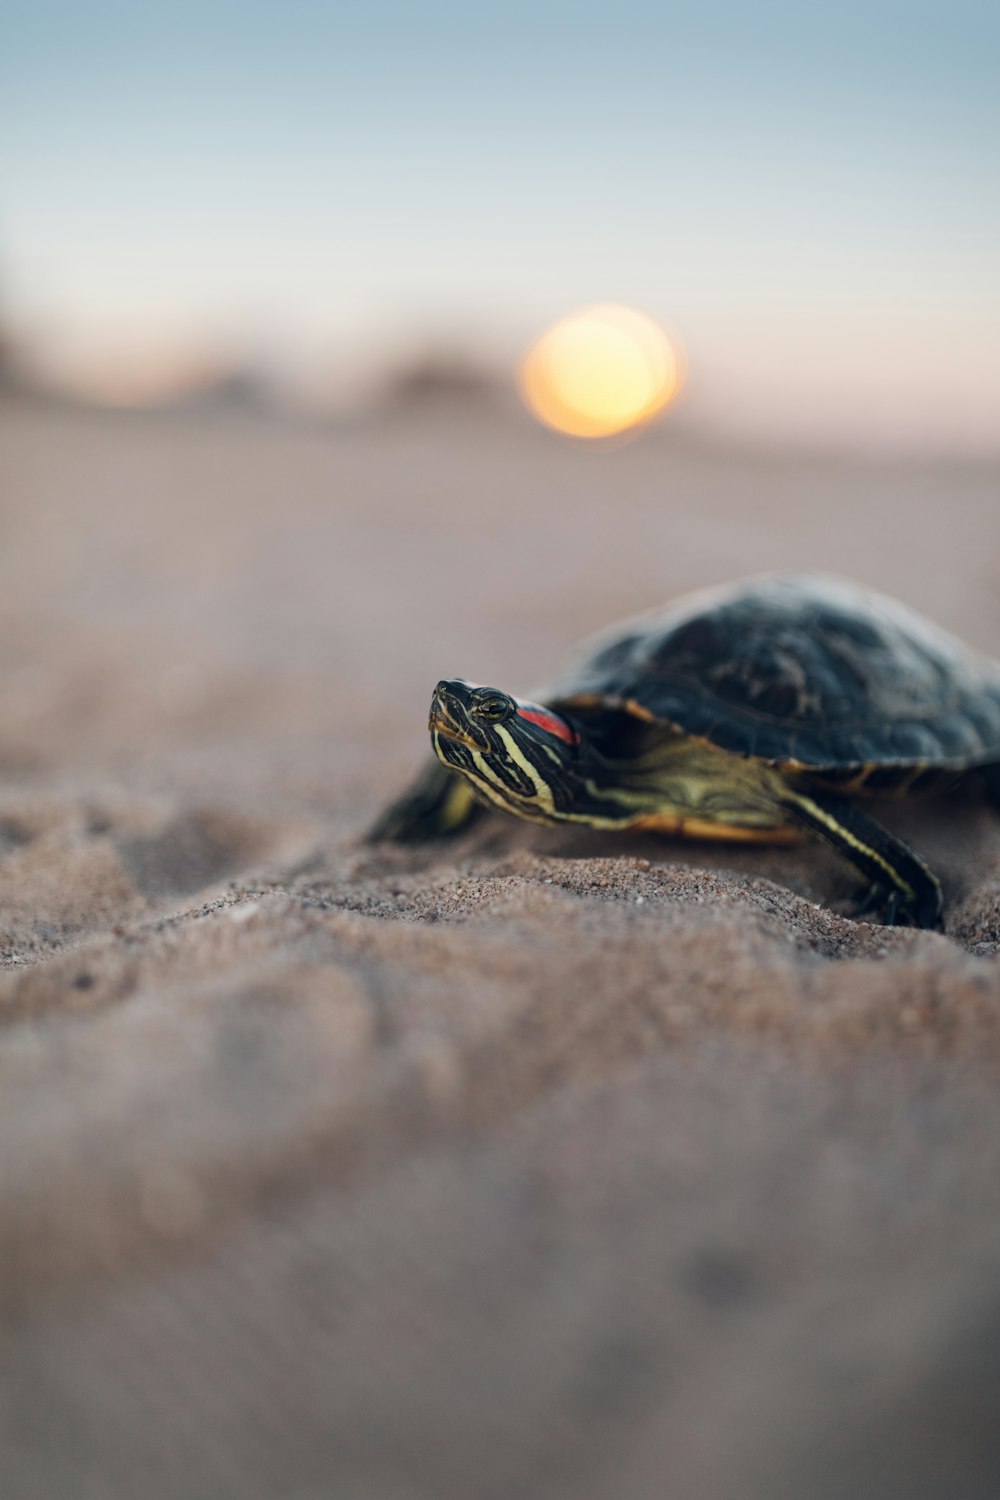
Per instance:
{"type": "Point", "coordinates": [548, 1166]}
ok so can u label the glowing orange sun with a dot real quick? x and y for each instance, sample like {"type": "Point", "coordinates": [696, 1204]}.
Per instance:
{"type": "Point", "coordinates": [601, 371]}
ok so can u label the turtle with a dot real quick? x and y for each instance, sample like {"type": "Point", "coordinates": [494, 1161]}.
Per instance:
{"type": "Point", "coordinates": [765, 710]}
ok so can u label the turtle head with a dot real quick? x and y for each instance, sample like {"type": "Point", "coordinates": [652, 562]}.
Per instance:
{"type": "Point", "coordinates": [518, 755]}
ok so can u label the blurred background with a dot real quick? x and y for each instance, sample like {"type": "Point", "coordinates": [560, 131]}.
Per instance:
{"type": "Point", "coordinates": [272, 286]}
{"type": "Point", "coordinates": [348, 346]}
{"type": "Point", "coordinates": [283, 206]}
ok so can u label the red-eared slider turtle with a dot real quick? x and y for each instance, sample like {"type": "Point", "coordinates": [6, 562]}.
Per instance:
{"type": "Point", "coordinates": [757, 711]}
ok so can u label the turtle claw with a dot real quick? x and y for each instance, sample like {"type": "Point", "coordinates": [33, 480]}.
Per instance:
{"type": "Point", "coordinates": [883, 904]}
{"type": "Point", "coordinates": [886, 906]}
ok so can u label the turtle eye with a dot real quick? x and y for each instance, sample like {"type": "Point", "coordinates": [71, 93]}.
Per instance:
{"type": "Point", "coordinates": [494, 707]}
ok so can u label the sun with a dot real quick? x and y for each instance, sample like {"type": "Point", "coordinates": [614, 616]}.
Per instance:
{"type": "Point", "coordinates": [603, 370]}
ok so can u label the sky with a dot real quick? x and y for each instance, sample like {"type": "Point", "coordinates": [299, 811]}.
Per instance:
{"type": "Point", "coordinates": [809, 196]}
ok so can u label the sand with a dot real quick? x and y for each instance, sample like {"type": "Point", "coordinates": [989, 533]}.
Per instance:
{"type": "Point", "coordinates": [547, 1165]}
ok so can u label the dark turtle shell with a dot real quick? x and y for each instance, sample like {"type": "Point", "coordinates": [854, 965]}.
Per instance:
{"type": "Point", "coordinates": [801, 670]}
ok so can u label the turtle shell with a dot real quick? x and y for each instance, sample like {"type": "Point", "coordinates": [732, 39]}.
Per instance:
{"type": "Point", "coordinates": [801, 670]}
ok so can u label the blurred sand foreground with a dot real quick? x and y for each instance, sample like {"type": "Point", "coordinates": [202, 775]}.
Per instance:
{"type": "Point", "coordinates": [545, 1167]}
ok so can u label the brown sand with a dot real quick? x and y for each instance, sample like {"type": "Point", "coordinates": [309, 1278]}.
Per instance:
{"type": "Point", "coordinates": [551, 1166]}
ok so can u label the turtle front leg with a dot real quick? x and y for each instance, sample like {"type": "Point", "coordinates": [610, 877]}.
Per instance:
{"type": "Point", "coordinates": [439, 805]}
{"type": "Point", "coordinates": [899, 882]}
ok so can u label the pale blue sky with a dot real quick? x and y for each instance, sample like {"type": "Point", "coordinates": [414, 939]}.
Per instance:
{"type": "Point", "coordinates": [811, 197]}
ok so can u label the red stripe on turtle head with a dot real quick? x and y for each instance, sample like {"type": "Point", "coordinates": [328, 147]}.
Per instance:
{"type": "Point", "coordinates": [550, 722]}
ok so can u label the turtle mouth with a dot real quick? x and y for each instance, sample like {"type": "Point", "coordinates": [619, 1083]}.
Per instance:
{"type": "Point", "coordinates": [448, 731]}
{"type": "Point", "coordinates": [444, 720]}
